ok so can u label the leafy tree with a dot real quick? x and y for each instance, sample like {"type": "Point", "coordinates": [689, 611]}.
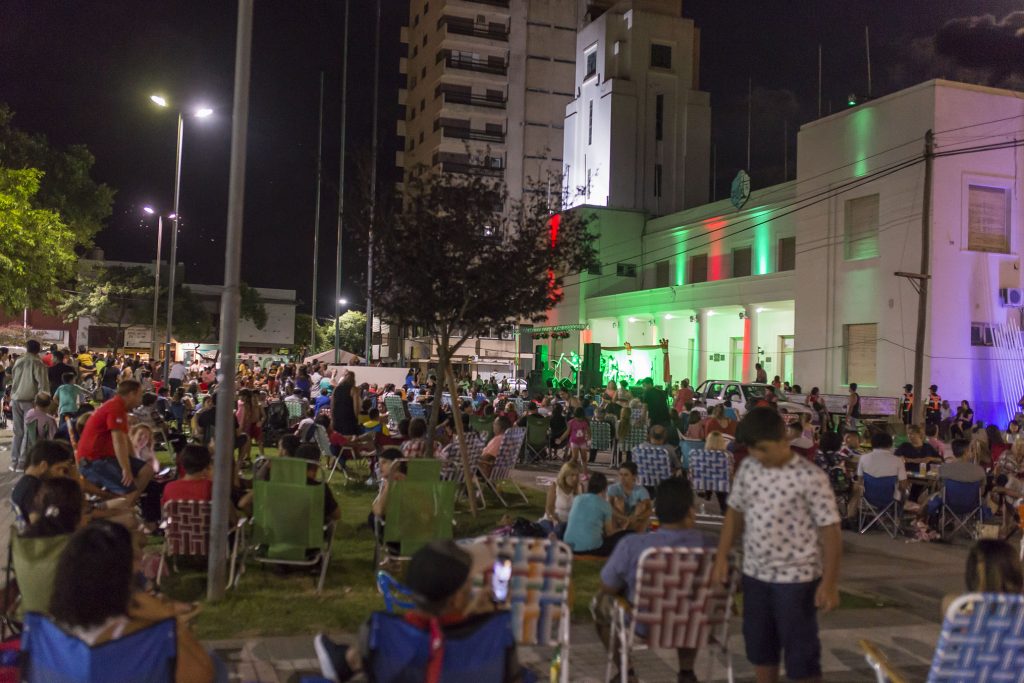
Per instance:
{"type": "Point", "coordinates": [460, 256]}
{"type": "Point", "coordinates": [351, 332]}
{"type": "Point", "coordinates": [36, 247]}
{"type": "Point", "coordinates": [251, 308]}
{"type": "Point", "coordinates": [115, 296]}
{"type": "Point", "coordinates": [192, 319]}
{"type": "Point", "coordinates": [66, 187]}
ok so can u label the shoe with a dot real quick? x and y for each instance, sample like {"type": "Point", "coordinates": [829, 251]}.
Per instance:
{"type": "Point", "coordinates": [686, 677]}
{"type": "Point", "coordinates": [327, 654]}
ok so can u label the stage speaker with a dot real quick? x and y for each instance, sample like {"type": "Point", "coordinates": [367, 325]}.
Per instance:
{"type": "Point", "coordinates": [566, 384]}
{"type": "Point", "coordinates": [540, 358]}
{"type": "Point", "coordinates": [539, 382]}
{"type": "Point", "coordinates": [525, 339]}
{"type": "Point", "coordinates": [590, 371]}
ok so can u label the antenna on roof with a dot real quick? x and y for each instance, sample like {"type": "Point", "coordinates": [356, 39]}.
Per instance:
{"type": "Point", "coordinates": [867, 51]}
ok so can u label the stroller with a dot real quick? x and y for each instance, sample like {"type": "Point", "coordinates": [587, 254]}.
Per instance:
{"type": "Point", "coordinates": [6, 414]}
{"type": "Point", "coordinates": [276, 423]}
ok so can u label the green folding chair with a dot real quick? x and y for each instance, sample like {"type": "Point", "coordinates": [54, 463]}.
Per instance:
{"type": "Point", "coordinates": [418, 512]}
{"type": "Point", "coordinates": [423, 469]}
{"type": "Point", "coordinates": [482, 425]}
{"type": "Point", "coordinates": [537, 428]}
{"type": "Point", "coordinates": [287, 527]}
{"type": "Point", "coordinates": [288, 470]}
{"type": "Point", "coordinates": [35, 566]}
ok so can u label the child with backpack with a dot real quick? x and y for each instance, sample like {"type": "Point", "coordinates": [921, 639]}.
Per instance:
{"type": "Point", "coordinates": [579, 438]}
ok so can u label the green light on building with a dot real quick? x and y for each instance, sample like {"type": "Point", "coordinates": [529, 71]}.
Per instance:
{"type": "Point", "coordinates": [762, 242]}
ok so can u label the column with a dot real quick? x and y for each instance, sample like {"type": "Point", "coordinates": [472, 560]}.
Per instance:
{"type": "Point", "coordinates": [702, 345]}
{"type": "Point", "coordinates": [750, 341]}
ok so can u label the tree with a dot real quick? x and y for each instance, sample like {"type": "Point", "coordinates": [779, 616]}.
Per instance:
{"type": "Point", "coordinates": [351, 332]}
{"type": "Point", "coordinates": [36, 247]}
{"type": "Point", "coordinates": [83, 204]}
{"type": "Point", "coordinates": [251, 307]}
{"type": "Point", "coordinates": [115, 296]}
{"type": "Point", "coordinates": [460, 256]}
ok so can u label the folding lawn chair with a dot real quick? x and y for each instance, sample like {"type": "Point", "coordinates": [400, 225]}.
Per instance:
{"type": "Point", "coordinates": [287, 526]}
{"type": "Point", "coordinates": [396, 410]}
{"type": "Point", "coordinates": [961, 505]}
{"type": "Point", "coordinates": [687, 446]}
{"type": "Point", "coordinates": [879, 505]}
{"type": "Point", "coordinates": [677, 604]}
{"type": "Point", "coordinates": [711, 471]}
{"type": "Point", "coordinates": [601, 439]}
{"type": "Point", "coordinates": [186, 525]}
{"type": "Point", "coordinates": [537, 427]}
{"type": "Point", "coordinates": [395, 594]}
{"type": "Point", "coordinates": [34, 561]}
{"type": "Point", "coordinates": [538, 591]}
{"type": "Point", "coordinates": [417, 512]}
{"type": "Point", "coordinates": [482, 425]}
{"type": "Point", "coordinates": [417, 410]}
{"type": "Point", "coordinates": [52, 655]}
{"type": "Point", "coordinates": [636, 436]}
{"type": "Point", "coordinates": [295, 412]}
{"type": "Point", "coordinates": [511, 443]}
{"type": "Point", "coordinates": [652, 464]}
{"type": "Point", "coordinates": [423, 469]}
{"type": "Point", "coordinates": [982, 639]}
{"type": "Point", "coordinates": [452, 469]}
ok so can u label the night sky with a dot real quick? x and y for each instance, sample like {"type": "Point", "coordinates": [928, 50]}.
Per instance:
{"type": "Point", "coordinates": [82, 72]}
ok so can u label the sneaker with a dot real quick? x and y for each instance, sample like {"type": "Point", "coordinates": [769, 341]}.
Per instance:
{"type": "Point", "coordinates": [327, 654]}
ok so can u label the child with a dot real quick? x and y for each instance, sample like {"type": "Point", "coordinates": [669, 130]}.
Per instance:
{"type": "Point", "coordinates": [40, 418]}
{"type": "Point", "coordinates": [783, 506]}
{"type": "Point", "coordinates": [67, 395]}
{"type": "Point", "coordinates": [579, 438]}
{"type": "Point", "coordinates": [992, 567]}
{"type": "Point", "coordinates": [143, 445]}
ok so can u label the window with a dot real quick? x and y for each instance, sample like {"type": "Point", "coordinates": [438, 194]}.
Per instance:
{"type": "Point", "coordinates": [697, 269]}
{"type": "Point", "coordinates": [661, 56]}
{"type": "Point", "coordinates": [423, 103]}
{"type": "Point", "coordinates": [659, 117]}
{"type": "Point", "coordinates": [741, 261]}
{"type": "Point", "coordinates": [861, 231]}
{"type": "Point", "coordinates": [981, 335]}
{"type": "Point", "coordinates": [591, 58]}
{"type": "Point", "coordinates": [625, 269]}
{"type": "Point", "coordinates": [426, 7]}
{"type": "Point", "coordinates": [988, 219]}
{"type": "Point", "coordinates": [421, 136]}
{"type": "Point", "coordinates": [594, 269]}
{"type": "Point", "coordinates": [416, 20]}
{"type": "Point", "coordinates": [787, 254]}
{"type": "Point", "coordinates": [415, 50]}
{"type": "Point", "coordinates": [860, 343]}
{"type": "Point", "coordinates": [657, 180]}
{"type": "Point", "coordinates": [424, 41]}
{"type": "Point", "coordinates": [590, 122]}
{"type": "Point", "coordinates": [661, 270]}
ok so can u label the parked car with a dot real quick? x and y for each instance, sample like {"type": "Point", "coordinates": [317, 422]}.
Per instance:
{"type": "Point", "coordinates": [740, 394]}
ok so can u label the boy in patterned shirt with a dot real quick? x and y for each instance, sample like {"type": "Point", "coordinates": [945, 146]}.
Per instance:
{"type": "Point", "coordinates": [782, 505]}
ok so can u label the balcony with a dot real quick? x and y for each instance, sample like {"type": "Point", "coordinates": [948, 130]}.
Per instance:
{"type": "Point", "coordinates": [470, 134]}
{"type": "Point", "coordinates": [479, 65]}
{"type": "Point", "coordinates": [451, 97]}
{"type": "Point", "coordinates": [471, 169]}
{"type": "Point", "coordinates": [465, 27]}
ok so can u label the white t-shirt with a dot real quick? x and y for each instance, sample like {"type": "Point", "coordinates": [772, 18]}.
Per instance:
{"type": "Point", "coordinates": [881, 463]}
{"type": "Point", "coordinates": [782, 509]}
{"type": "Point", "coordinates": [177, 371]}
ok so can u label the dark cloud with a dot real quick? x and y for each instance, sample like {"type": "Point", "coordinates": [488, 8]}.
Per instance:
{"type": "Point", "coordinates": [985, 43]}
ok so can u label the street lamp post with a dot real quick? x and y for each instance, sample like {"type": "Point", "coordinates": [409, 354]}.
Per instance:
{"type": "Point", "coordinates": [156, 279]}
{"type": "Point", "coordinates": [201, 113]}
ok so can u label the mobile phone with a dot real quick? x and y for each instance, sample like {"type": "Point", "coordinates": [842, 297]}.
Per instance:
{"type": "Point", "coordinates": [500, 577]}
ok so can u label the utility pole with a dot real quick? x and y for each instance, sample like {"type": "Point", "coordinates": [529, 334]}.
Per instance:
{"type": "Point", "coordinates": [341, 191]}
{"type": "Point", "coordinates": [316, 221]}
{"type": "Point", "coordinates": [230, 302]}
{"type": "Point", "coordinates": [924, 276]}
{"type": "Point", "coordinates": [373, 193]}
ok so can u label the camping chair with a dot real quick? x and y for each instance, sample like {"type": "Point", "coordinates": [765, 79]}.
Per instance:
{"type": "Point", "coordinates": [417, 512]}
{"type": "Point", "coordinates": [287, 526]}
{"type": "Point", "coordinates": [482, 425]}
{"type": "Point", "coordinates": [601, 439]}
{"type": "Point", "coordinates": [537, 427]}
{"type": "Point", "coordinates": [295, 412]}
{"type": "Point", "coordinates": [186, 525]}
{"type": "Point", "coordinates": [396, 410]}
{"type": "Point", "coordinates": [879, 505]}
{"type": "Point", "coordinates": [538, 592]}
{"type": "Point", "coordinates": [961, 505]}
{"type": "Point", "coordinates": [34, 561]}
{"type": "Point", "coordinates": [511, 443]}
{"type": "Point", "coordinates": [711, 471]}
{"type": "Point", "coordinates": [677, 603]}
{"type": "Point", "coordinates": [423, 469]}
{"type": "Point", "coordinates": [652, 465]}
{"type": "Point", "coordinates": [453, 471]}
{"type": "Point", "coordinates": [980, 641]}
{"type": "Point", "coordinates": [51, 654]}
{"type": "Point", "coordinates": [395, 594]}
{"type": "Point", "coordinates": [474, 649]}
{"type": "Point", "coordinates": [687, 446]}
{"type": "Point", "coordinates": [636, 436]}
{"type": "Point", "coordinates": [417, 410]}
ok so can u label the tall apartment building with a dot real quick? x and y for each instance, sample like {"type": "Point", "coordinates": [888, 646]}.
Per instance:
{"type": "Point", "coordinates": [487, 85]}
{"type": "Point", "coordinates": [638, 131]}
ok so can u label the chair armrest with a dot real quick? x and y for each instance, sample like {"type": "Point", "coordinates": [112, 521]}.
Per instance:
{"type": "Point", "coordinates": [880, 663]}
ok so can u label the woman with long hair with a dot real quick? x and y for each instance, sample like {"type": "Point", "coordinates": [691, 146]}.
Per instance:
{"type": "Point", "coordinates": [561, 493]}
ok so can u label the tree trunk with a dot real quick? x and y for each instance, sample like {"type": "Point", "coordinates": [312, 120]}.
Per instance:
{"type": "Point", "coordinates": [435, 405]}
{"type": "Point", "coordinates": [453, 389]}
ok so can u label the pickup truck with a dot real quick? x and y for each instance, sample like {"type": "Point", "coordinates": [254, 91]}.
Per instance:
{"type": "Point", "coordinates": [716, 391]}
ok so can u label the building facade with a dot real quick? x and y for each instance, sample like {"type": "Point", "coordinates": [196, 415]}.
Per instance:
{"type": "Point", "coordinates": [804, 277]}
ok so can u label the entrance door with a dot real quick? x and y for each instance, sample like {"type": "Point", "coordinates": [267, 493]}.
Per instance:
{"type": "Point", "coordinates": [736, 358]}
{"type": "Point", "coordinates": [786, 346]}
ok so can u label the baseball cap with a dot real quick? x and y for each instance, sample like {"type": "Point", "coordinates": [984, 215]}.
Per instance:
{"type": "Point", "coordinates": [908, 387]}
{"type": "Point", "coordinates": [439, 569]}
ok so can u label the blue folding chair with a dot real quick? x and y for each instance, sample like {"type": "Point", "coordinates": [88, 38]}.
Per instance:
{"type": "Point", "coordinates": [417, 410]}
{"type": "Point", "coordinates": [54, 656]}
{"type": "Point", "coordinates": [475, 650]}
{"type": "Point", "coordinates": [652, 465]}
{"type": "Point", "coordinates": [395, 594]}
{"type": "Point", "coordinates": [961, 505]}
{"type": "Point", "coordinates": [879, 505]}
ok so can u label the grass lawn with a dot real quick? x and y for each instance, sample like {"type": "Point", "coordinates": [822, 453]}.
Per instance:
{"type": "Point", "coordinates": [268, 604]}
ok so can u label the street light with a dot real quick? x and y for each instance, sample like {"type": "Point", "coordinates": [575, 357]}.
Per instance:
{"type": "Point", "coordinates": [156, 277]}
{"type": "Point", "coordinates": [343, 302]}
{"type": "Point", "coordinates": [202, 113]}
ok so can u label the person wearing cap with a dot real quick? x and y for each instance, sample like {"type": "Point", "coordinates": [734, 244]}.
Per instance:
{"type": "Point", "coordinates": [907, 404]}
{"type": "Point", "coordinates": [933, 409]}
{"type": "Point", "coordinates": [440, 578]}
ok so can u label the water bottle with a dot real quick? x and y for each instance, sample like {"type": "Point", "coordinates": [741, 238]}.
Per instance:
{"type": "Point", "coordinates": [556, 665]}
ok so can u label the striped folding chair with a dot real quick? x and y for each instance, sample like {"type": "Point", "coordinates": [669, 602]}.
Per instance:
{"type": "Point", "coordinates": [652, 465]}
{"type": "Point", "coordinates": [417, 410]}
{"type": "Point", "coordinates": [452, 469]}
{"type": "Point", "coordinates": [677, 604]}
{"type": "Point", "coordinates": [687, 446]}
{"type": "Point", "coordinates": [601, 439]}
{"type": "Point", "coordinates": [711, 471]}
{"type": "Point", "coordinates": [186, 525]}
{"type": "Point", "coordinates": [511, 444]}
{"type": "Point", "coordinates": [538, 592]}
{"type": "Point", "coordinates": [396, 410]}
{"type": "Point", "coordinates": [637, 435]}
{"type": "Point", "coordinates": [982, 639]}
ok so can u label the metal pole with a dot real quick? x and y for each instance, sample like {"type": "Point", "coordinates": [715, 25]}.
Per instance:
{"type": "Point", "coordinates": [922, 299]}
{"type": "Point", "coordinates": [174, 255]}
{"type": "Point", "coordinates": [316, 221]}
{"type": "Point", "coordinates": [867, 52]}
{"type": "Point", "coordinates": [230, 302]}
{"type": "Point", "coordinates": [153, 343]}
{"type": "Point", "coordinates": [341, 192]}
{"type": "Point", "coordinates": [373, 193]}
{"type": "Point", "coordinates": [750, 114]}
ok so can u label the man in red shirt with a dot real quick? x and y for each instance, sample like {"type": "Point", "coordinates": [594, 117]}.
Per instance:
{"type": "Point", "coordinates": [104, 450]}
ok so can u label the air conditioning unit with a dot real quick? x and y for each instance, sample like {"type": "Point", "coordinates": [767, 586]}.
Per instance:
{"type": "Point", "coordinates": [1011, 297]}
